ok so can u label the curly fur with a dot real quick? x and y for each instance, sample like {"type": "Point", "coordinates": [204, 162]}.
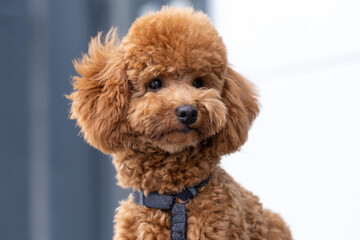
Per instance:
{"type": "Point", "coordinates": [119, 115]}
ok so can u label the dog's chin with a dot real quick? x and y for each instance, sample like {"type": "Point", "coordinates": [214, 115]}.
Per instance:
{"type": "Point", "coordinates": [178, 140]}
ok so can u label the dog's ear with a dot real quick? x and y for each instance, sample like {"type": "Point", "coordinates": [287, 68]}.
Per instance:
{"type": "Point", "coordinates": [240, 99]}
{"type": "Point", "coordinates": [101, 93]}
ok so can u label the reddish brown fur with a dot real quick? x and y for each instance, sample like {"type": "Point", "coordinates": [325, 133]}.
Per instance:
{"type": "Point", "coordinates": [119, 115]}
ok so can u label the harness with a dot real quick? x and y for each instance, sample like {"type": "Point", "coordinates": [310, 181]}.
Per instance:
{"type": "Point", "coordinates": [167, 202]}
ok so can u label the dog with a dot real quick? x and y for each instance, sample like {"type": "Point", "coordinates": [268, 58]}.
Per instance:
{"type": "Point", "coordinates": [165, 103]}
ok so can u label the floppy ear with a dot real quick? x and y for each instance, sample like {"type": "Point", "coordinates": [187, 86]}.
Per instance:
{"type": "Point", "coordinates": [101, 94]}
{"type": "Point", "coordinates": [240, 99]}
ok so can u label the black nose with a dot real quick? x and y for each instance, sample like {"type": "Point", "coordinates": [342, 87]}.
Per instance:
{"type": "Point", "coordinates": [187, 114]}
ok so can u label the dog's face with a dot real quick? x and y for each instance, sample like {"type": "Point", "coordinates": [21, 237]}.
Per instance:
{"type": "Point", "coordinates": [167, 84]}
{"type": "Point", "coordinates": [174, 111]}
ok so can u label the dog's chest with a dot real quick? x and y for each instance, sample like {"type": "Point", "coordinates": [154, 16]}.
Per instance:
{"type": "Point", "coordinates": [208, 217]}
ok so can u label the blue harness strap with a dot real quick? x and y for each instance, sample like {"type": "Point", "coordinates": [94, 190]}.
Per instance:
{"type": "Point", "coordinates": [167, 202]}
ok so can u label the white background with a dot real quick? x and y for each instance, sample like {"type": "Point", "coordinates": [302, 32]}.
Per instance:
{"type": "Point", "coordinates": [302, 156]}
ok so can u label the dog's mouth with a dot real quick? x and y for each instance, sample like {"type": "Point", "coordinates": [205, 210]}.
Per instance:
{"type": "Point", "coordinates": [185, 130]}
{"type": "Point", "coordinates": [177, 139]}
{"type": "Point", "coordinates": [181, 131]}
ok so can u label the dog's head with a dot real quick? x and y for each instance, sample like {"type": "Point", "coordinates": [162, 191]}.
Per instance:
{"type": "Point", "coordinates": [167, 84]}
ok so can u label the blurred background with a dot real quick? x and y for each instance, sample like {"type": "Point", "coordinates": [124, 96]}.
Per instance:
{"type": "Point", "coordinates": [302, 157]}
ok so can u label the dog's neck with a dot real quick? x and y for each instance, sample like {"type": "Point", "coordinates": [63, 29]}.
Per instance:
{"type": "Point", "coordinates": [151, 170]}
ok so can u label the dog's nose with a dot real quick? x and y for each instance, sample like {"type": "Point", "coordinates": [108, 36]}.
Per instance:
{"type": "Point", "coordinates": [187, 114]}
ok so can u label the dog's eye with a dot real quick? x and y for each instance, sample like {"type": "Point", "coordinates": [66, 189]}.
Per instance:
{"type": "Point", "coordinates": [198, 83]}
{"type": "Point", "coordinates": [155, 84]}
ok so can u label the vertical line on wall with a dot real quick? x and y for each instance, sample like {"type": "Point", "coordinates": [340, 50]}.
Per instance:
{"type": "Point", "coordinates": [38, 121]}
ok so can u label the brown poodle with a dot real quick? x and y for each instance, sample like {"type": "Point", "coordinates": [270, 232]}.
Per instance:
{"type": "Point", "coordinates": [165, 103]}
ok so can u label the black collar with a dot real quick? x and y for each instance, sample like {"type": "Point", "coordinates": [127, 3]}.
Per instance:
{"type": "Point", "coordinates": [167, 202]}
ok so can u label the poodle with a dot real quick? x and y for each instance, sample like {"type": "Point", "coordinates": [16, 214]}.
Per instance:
{"type": "Point", "coordinates": [165, 103]}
